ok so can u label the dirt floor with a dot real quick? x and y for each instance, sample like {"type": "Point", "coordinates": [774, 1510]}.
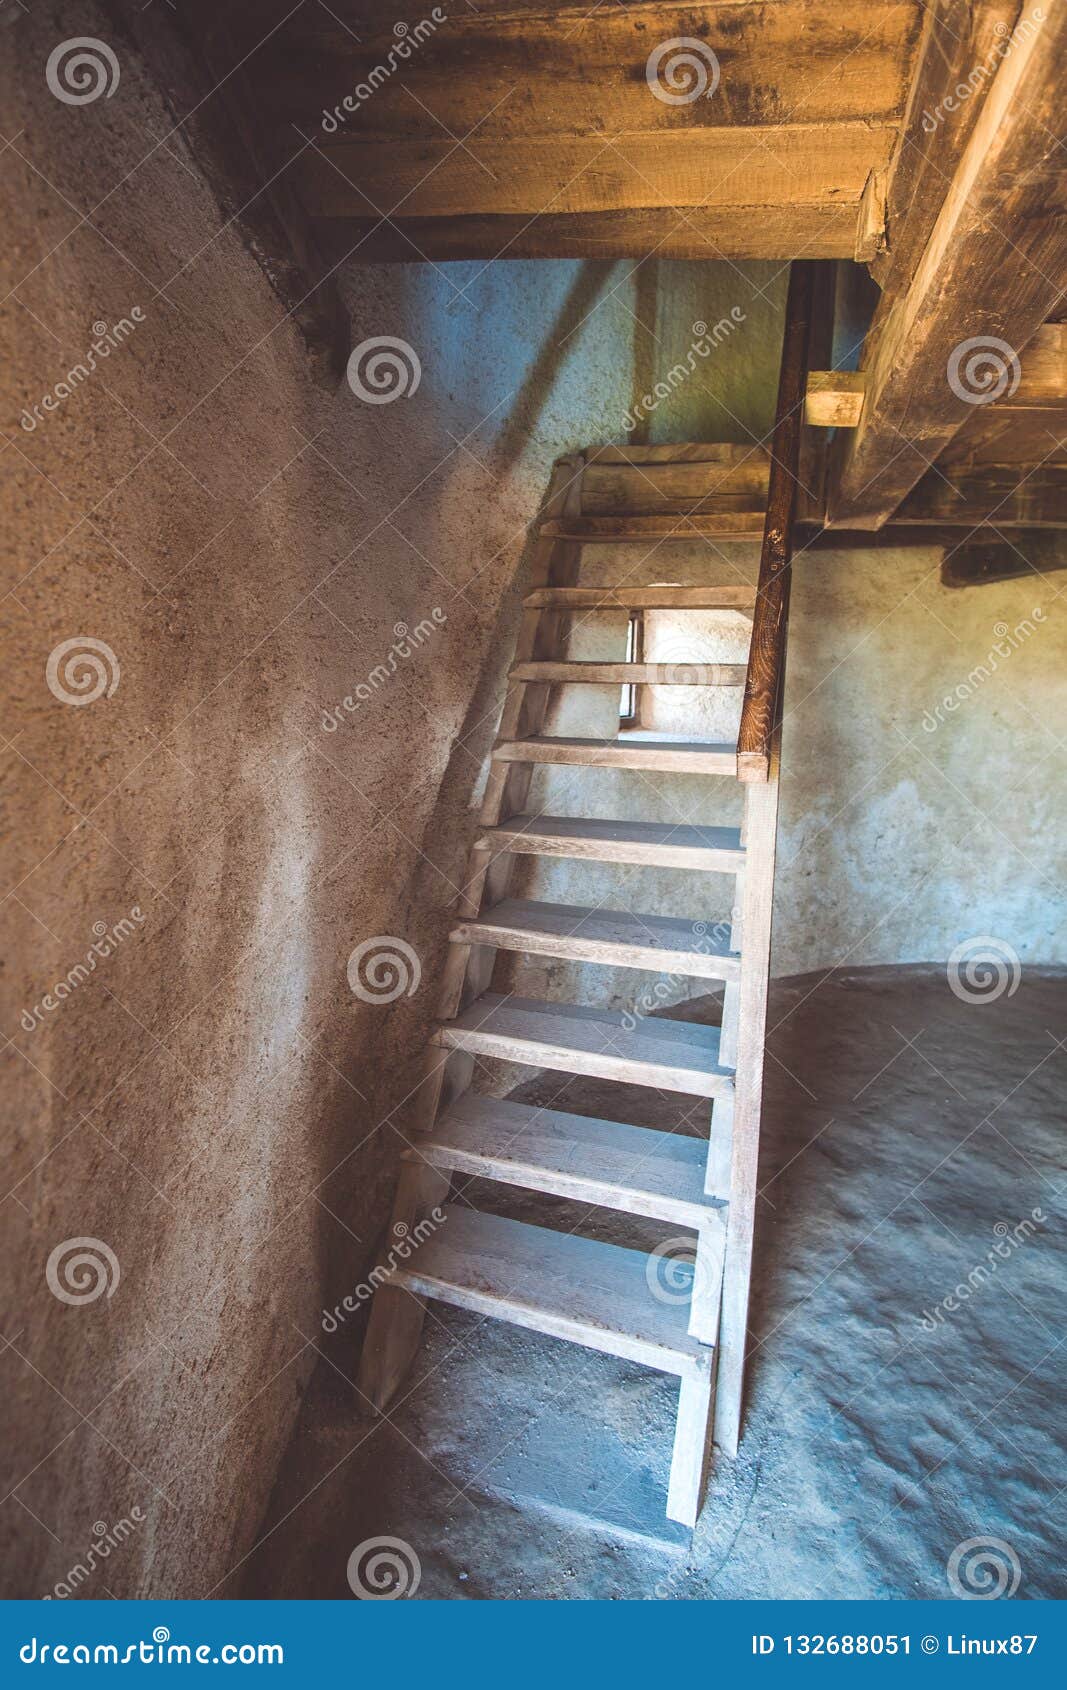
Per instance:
{"type": "Point", "coordinates": [909, 1134]}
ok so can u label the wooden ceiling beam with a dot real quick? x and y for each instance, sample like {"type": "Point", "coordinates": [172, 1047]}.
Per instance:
{"type": "Point", "coordinates": [722, 176]}
{"type": "Point", "coordinates": [988, 495]}
{"type": "Point", "coordinates": [547, 71]}
{"type": "Point", "coordinates": [715, 129]}
{"type": "Point", "coordinates": [959, 51]}
{"type": "Point", "coordinates": [994, 267]}
{"type": "Point", "coordinates": [985, 558]}
{"type": "Point", "coordinates": [733, 231]}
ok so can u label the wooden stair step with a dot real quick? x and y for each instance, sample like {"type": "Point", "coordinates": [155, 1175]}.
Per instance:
{"type": "Point", "coordinates": [666, 944]}
{"type": "Point", "coordinates": [593, 1294]}
{"type": "Point", "coordinates": [633, 752]}
{"type": "Point", "coordinates": [577, 1039]}
{"type": "Point", "coordinates": [723, 524]}
{"type": "Point", "coordinates": [666, 596]}
{"type": "Point", "coordinates": [633, 674]}
{"type": "Point", "coordinates": [609, 1163]}
{"type": "Point", "coordinates": [599, 839]}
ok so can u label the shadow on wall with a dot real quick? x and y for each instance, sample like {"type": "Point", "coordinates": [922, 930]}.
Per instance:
{"type": "Point", "coordinates": [582, 297]}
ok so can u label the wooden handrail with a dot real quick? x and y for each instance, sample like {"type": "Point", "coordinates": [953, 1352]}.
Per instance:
{"type": "Point", "coordinates": [766, 659]}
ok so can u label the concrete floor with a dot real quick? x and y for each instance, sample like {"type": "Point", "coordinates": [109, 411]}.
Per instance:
{"type": "Point", "coordinates": [907, 1134]}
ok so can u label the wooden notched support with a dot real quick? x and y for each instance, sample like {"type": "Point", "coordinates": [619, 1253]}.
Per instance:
{"type": "Point", "coordinates": [834, 398]}
{"type": "Point", "coordinates": [759, 712]}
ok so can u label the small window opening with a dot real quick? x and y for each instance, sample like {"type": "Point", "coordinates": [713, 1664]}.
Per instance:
{"type": "Point", "coordinates": [628, 707]}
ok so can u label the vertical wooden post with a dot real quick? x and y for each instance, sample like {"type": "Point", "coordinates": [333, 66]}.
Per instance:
{"type": "Point", "coordinates": [758, 746]}
{"type": "Point", "coordinates": [761, 820]}
{"type": "Point", "coordinates": [766, 656]}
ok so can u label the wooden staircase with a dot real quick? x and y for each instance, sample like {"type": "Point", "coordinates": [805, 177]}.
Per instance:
{"type": "Point", "coordinates": [558, 1282]}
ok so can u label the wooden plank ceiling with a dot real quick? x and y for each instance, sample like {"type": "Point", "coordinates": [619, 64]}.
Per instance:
{"type": "Point", "coordinates": [924, 138]}
{"type": "Point", "coordinates": [522, 130]}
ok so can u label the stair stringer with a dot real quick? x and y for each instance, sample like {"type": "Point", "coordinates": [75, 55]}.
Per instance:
{"type": "Point", "coordinates": [397, 1315]}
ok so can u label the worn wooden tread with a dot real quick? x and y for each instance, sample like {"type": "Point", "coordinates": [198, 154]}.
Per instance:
{"type": "Point", "coordinates": [664, 944]}
{"type": "Point", "coordinates": [593, 1294]}
{"type": "Point", "coordinates": [665, 525]}
{"type": "Point", "coordinates": [599, 839]}
{"type": "Point", "coordinates": [633, 674]}
{"type": "Point", "coordinates": [578, 1039]}
{"type": "Point", "coordinates": [663, 596]}
{"type": "Point", "coordinates": [679, 756]}
{"type": "Point", "coordinates": [608, 1163]}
